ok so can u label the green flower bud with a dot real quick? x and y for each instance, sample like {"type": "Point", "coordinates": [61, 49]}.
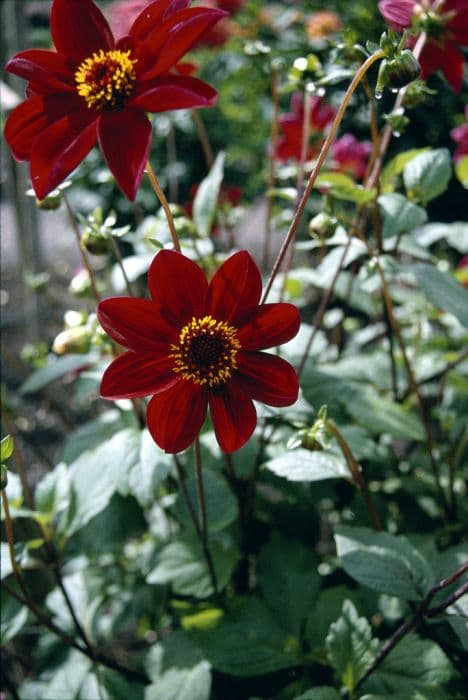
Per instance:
{"type": "Point", "coordinates": [95, 242]}
{"type": "Point", "coordinates": [72, 340]}
{"type": "Point", "coordinates": [322, 226]}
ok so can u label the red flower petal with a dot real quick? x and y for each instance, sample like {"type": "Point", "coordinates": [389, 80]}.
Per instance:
{"type": "Point", "coordinates": [235, 288]}
{"type": "Point", "coordinates": [174, 92]}
{"type": "Point", "coordinates": [178, 285]}
{"type": "Point", "coordinates": [398, 13]}
{"type": "Point", "coordinates": [153, 15]}
{"type": "Point", "coordinates": [269, 325]}
{"type": "Point", "coordinates": [79, 28]}
{"type": "Point", "coordinates": [234, 416]}
{"type": "Point", "coordinates": [135, 374]}
{"type": "Point", "coordinates": [176, 416]}
{"type": "Point", "coordinates": [448, 59]}
{"type": "Point", "coordinates": [125, 140]}
{"type": "Point", "coordinates": [32, 117]}
{"type": "Point", "coordinates": [60, 148]}
{"type": "Point", "coordinates": [267, 378]}
{"type": "Point", "coordinates": [48, 70]}
{"type": "Point", "coordinates": [137, 324]}
{"type": "Point", "coordinates": [180, 33]}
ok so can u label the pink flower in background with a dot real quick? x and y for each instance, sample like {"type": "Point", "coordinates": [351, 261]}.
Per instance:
{"type": "Point", "coordinates": [460, 136]}
{"type": "Point", "coordinates": [123, 13]}
{"type": "Point", "coordinates": [446, 25]}
{"type": "Point", "coordinates": [291, 125]}
{"type": "Point", "coordinates": [351, 156]}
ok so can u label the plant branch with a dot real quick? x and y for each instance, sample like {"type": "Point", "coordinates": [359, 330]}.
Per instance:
{"type": "Point", "coordinates": [422, 612]}
{"type": "Point", "coordinates": [318, 165]}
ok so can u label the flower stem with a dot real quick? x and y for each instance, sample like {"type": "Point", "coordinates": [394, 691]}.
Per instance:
{"type": "Point", "coordinates": [318, 165]}
{"type": "Point", "coordinates": [203, 136]}
{"type": "Point", "coordinates": [84, 257]}
{"type": "Point", "coordinates": [165, 205]}
{"type": "Point", "coordinates": [202, 520]}
{"type": "Point", "coordinates": [356, 473]}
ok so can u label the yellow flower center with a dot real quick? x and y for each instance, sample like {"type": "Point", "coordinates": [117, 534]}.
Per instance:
{"type": "Point", "coordinates": [206, 351]}
{"type": "Point", "coordinates": [106, 78]}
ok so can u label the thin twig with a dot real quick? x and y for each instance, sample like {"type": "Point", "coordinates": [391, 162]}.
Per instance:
{"type": "Point", "coordinates": [318, 165]}
{"type": "Point", "coordinates": [203, 136]}
{"type": "Point", "coordinates": [84, 257]}
{"type": "Point", "coordinates": [120, 262]}
{"type": "Point", "coordinates": [356, 473]}
{"type": "Point", "coordinates": [422, 612]}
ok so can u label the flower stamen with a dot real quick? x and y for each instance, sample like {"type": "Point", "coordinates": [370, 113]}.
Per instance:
{"type": "Point", "coordinates": [206, 352]}
{"type": "Point", "coordinates": [106, 78]}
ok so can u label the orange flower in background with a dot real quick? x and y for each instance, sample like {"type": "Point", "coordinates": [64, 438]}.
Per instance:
{"type": "Point", "coordinates": [96, 89]}
{"type": "Point", "coordinates": [196, 345]}
{"type": "Point", "coordinates": [322, 24]}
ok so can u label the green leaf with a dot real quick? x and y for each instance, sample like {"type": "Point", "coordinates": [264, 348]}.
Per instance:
{"type": "Point", "coordinates": [6, 568]}
{"type": "Point", "coordinates": [205, 202]}
{"type": "Point", "coordinates": [181, 563]}
{"type": "Point", "coordinates": [322, 693]}
{"type": "Point", "coordinates": [413, 664]}
{"type": "Point", "coordinates": [182, 684]}
{"type": "Point", "coordinates": [287, 575]}
{"type": "Point", "coordinates": [350, 647]}
{"type": "Point", "coordinates": [380, 415]}
{"type": "Point", "coordinates": [427, 175]}
{"type": "Point", "coordinates": [303, 465]}
{"type": "Point", "coordinates": [68, 680]}
{"type": "Point", "coordinates": [56, 369]}
{"type": "Point", "coordinates": [52, 493]}
{"type": "Point", "coordinates": [461, 171]}
{"type": "Point", "coordinates": [443, 291]}
{"type": "Point", "coordinates": [425, 694]}
{"type": "Point", "coordinates": [383, 562]}
{"type": "Point", "coordinates": [6, 448]}
{"type": "Point", "coordinates": [395, 166]}
{"type": "Point", "coordinates": [14, 617]}
{"type": "Point", "coordinates": [91, 434]}
{"type": "Point", "coordinates": [343, 187]}
{"type": "Point", "coordinates": [221, 504]}
{"type": "Point", "coordinates": [399, 214]}
{"type": "Point", "coordinates": [151, 468]}
{"type": "Point", "coordinates": [455, 233]}
{"type": "Point", "coordinates": [458, 619]}
{"type": "Point", "coordinates": [248, 642]}
{"type": "Point", "coordinates": [97, 475]}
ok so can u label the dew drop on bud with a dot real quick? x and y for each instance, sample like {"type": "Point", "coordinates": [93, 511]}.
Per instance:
{"type": "Point", "coordinates": [394, 90]}
{"type": "Point", "coordinates": [378, 94]}
{"type": "Point", "coordinates": [397, 134]}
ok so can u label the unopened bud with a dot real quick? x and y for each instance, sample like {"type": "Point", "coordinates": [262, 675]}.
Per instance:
{"type": "Point", "coordinates": [95, 242]}
{"type": "Point", "coordinates": [322, 225]}
{"type": "Point", "coordinates": [72, 340]}
{"type": "Point", "coordinates": [397, 72]}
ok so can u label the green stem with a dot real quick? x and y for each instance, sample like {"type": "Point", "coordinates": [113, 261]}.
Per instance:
{"type": "Point", "coordinates": [320, 161]}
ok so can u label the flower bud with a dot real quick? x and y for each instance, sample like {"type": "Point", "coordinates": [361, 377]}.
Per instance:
{"type": "Point", "coordinates": [397, 72]}
{"type": "Point", "coordinates": [95, 242]}
{"type": "Point", "coordinates": [72, 340]}
{"type": "Point", "coordinates": [322, 226]}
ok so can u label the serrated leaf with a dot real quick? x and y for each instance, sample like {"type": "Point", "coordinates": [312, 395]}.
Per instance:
{"type": "Point", "coordinates": [303, 465]}
{"type": "Point", "coordinates": [443, 291]}
{"type": "Point", "coordinates": [427, 175]}
{"type": "Point", "coordinates": [414, 664]}
{"type": "Point", "coordinates": [97, 474]}
{"type": "Point", "coordinates": [56, 369]}
{"type": "Point", "coordinates": [182, 684]}
{"type": "Point", "coordinates": [399, 214]}
{"type": "Point", "coordinates": [205, 202]}
{"type": "Point", "coordinates": [350, 647]}
{"type": "Point", "coordinates": [287, 575]}
{"type": "Point", "coordinates": [386, 563]}
{"type": "Point", "coordinates": [248, 642]}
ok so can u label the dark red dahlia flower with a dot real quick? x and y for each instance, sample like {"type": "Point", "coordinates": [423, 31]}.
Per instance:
{"type": "Point", "coordinates": [196, 345]}
{"type": "Point", "coordinates": [446, 25]}
{"type": "Point", "coordinates": [350, 155]}
{"type": "Point", "coordinates": [96, 89]}
{"type": "Point", "coordinates": [291, 126]}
